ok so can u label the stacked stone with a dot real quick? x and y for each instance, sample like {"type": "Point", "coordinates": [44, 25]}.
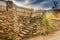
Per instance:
{"type": "Point", "coordinates": [6, 23]}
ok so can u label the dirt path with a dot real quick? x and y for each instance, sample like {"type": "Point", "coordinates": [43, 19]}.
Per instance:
{"type": "Point", "coordinates": [52, 36]}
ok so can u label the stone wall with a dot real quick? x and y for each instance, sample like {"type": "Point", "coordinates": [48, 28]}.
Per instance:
{"type": "Point", "coordinates": [14, 18]}
{"type": "Point", "coordinates": [6, 22]}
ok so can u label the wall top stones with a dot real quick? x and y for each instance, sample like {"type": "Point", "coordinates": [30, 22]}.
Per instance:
{"type": "Point", "coordinates": [2, 3]}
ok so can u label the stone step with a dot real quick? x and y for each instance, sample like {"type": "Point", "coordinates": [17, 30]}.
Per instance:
{"type": "Point", "coordinates": [30, 27]}
{"type": "Point", "coordinates": [26, 30]}
{"type": "Point", "coordinates": [21, 35]}
{"type": "Point", "coordinates": [23, 32]}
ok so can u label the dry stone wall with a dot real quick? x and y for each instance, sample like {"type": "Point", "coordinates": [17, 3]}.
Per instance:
{"type": "Point", "coordinates": [12, 20]}
{"type": "Point", "coordinates": [6, 23]}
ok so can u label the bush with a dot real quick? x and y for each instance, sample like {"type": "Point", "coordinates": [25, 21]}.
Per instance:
{"type": "Point", "coordinates": [45, 25]}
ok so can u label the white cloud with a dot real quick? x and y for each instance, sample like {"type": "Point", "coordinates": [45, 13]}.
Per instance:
{"type": "Point", "coordinates": [44, 2]}
{"type": "Point", "coordinates": [27, 4]}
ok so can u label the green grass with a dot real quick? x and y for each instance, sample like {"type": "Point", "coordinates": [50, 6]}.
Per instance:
{"type": "Point", "coordinates": [46, 25]}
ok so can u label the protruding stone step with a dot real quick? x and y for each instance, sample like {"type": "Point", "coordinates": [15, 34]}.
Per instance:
{"type": "Point", "coordinates": [23, 32]}
{"type": "Point", "coordinates": [31, 27]}
{"type": "Point", "coordinates": [28, 28]}
{"type": "Point", "coordinates": [21, 35]}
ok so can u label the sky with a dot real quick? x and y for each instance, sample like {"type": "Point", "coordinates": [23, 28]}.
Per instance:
{"type": "Point", "coordinates": [35, 4]}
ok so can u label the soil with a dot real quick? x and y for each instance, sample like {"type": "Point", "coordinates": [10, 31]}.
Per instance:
{"type": "Point", "coordinates": [52, 36]}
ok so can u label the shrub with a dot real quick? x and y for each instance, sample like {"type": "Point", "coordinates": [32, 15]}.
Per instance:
{"type": "Point", "coordinates": [46, 25]}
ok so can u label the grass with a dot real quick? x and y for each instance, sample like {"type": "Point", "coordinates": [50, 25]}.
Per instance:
{"type": "Point", "coordinates": [45, 25]}
{"type": "Point", "coordinates": [7, 37]}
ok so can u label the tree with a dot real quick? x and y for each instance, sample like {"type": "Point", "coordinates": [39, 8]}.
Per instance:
{"type": "Point", "coordinates": [55, 8]}
{"type": "Point", "coordinates": [55, 5]}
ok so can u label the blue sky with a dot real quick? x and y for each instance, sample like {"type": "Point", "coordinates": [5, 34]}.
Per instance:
{"type": "Point", "coordinates": [35, 4]}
